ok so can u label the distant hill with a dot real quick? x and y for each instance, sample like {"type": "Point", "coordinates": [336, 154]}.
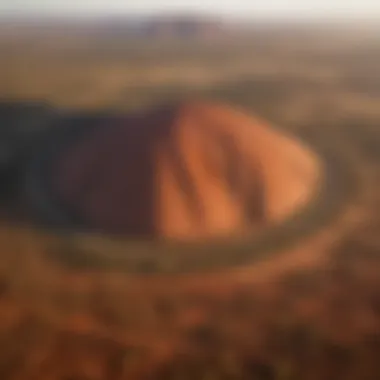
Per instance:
{"type": "Point", "coordinates": [182, 27]}
{"type": "Point", "coordinates": [174, 26]}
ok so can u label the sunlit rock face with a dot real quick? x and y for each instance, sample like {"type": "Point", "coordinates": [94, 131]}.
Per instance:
{"type": "Point", "coordinates": [194, 170]}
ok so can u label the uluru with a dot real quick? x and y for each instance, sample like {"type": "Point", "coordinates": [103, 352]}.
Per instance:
{"type": "Point", "coordinates": [189, 171]}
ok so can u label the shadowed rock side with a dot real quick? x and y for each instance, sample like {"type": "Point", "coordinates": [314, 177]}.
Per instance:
{"type": "Point", "coordinates": [189, 171]}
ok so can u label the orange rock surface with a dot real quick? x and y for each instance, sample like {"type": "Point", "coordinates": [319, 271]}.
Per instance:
{"type": "Point", "coordinates": [193, 170]}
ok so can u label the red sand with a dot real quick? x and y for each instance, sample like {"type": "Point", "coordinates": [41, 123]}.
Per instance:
{"type": "Point", "coordinates": [189, 171]}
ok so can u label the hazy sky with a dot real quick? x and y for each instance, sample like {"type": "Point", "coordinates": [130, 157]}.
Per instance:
{"type": "Point", "coordinates": [243, 8]}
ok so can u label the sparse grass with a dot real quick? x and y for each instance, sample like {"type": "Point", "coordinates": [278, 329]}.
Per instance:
{"type": "Point", "coordinates": [104, 323]}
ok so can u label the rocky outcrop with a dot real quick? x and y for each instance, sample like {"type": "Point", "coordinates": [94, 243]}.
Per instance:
{"type": "Point", "coordinates": [189, 171]}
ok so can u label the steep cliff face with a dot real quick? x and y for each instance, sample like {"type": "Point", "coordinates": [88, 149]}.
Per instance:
{"type": "Point", "coordinates": [189, 171]}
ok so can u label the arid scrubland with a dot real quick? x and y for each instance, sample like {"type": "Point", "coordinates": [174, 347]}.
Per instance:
{"type": "Point", "coordinates": [306, 304]}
